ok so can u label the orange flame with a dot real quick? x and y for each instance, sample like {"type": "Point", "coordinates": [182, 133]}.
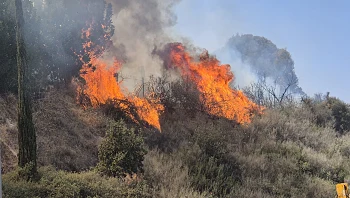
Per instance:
{"type": "Point", "coordinates": [212, 80]}
{"type": "Point", "coordinates": [101, 84]}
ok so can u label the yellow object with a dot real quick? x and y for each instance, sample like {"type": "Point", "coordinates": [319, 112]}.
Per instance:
{"type": "Point", "coordinates": [342, 190]}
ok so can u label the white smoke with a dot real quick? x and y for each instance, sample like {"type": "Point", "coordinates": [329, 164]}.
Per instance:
{"type": "Point", "coordinates": [140, 27]}
{"type": "Point", "coordinates": [243, 76]}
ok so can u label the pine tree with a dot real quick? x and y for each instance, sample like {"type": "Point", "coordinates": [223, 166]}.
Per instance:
{"type": "Point", "coordinates": [26, 132]}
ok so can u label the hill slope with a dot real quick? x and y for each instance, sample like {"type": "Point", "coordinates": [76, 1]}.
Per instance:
{"type": "Point", "coordinates": [289, 152]}
{"type": "Point", "coordinates": [67, 136]}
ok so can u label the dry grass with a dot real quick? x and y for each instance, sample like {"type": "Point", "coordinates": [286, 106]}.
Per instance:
{"type": "Point", "coordinates": [168, 176]}
{"type": "Point", "coordinates": [8, 132]}
{"type": "Point", "coordinates": [283, 153]}
{"type": "Point", "coordinates": [67, 135]}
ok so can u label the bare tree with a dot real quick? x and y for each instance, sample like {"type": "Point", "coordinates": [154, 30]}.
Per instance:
{"type": "Point", "coordinates": [270, 94]}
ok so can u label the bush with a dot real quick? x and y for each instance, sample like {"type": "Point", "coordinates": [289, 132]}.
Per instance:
{"type": "Point", "coordinates": [210, 175]}
{"type": "Point", "coordinates": [121, 152]}
{"type": "Point", "coordinates": [341, 114]}
{"type": "Point", "coordinates": [329, 112]}
{"type": "Point", "coordinates": [59, 184]}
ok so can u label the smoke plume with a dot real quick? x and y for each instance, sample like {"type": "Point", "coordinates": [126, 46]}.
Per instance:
{"type": "Point", "coordinates": [244, 76]}
{"type": "Point", "coordinates": [140, 27]}
{"type": "Point", "coordinates": [261, 58]}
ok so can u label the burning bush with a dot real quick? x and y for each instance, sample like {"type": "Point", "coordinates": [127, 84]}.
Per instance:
{"type": "Point", "coordinates": [99, 86]}
{"type": "Point", "coordinates": [212, 80]}
{"type": "Point", "coordinates": [206, 84]}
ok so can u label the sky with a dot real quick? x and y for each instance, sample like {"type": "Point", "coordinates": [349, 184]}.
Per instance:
{"type": "Point", "coordinates": [315, 32]}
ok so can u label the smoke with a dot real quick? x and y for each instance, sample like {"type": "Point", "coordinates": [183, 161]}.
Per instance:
{"type": "Point", "coordinates": [257, 58]}
{"type": "Point", "coordinates": [143, 27]}
{"type": "Point", "coordinates": [243, 75]}
{"type": "Point", "coordinates": [140, 27]}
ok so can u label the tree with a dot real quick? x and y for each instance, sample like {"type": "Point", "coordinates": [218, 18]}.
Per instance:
{"type": "Point", "coordinates": [8, 48]}
{"type": "Point", "coordinates": [270, 95]}
{"type": "Point", "coordinates": [341, 114]}
{"type": "Point", "coordinates": [64, 43]}
{"type": "Point", "coordinates": [265, 60]}
{"type": "Point", "coordinates": [53, 29]}
{"type": "Point", "coordinates": [26, 131]}
{"type": "Point", "coordinates": [0, 175]}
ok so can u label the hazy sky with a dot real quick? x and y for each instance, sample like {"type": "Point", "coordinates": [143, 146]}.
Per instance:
{"type": "Point", "coordinates": [315, 32]}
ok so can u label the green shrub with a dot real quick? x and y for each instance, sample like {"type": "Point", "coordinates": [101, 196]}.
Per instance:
{"type": "Point", "coordinates": [328, 112]}
{"type": "Point", "coordinates": [341, 114]}
{"type": "Point", "coordinates": [28, 172]}
{"type": "Point", "coordinates": [59, 184]}
{"type": "Point", "coordinates": [121, 152]}
{"type": "Point", "coordinates": [317, 112]}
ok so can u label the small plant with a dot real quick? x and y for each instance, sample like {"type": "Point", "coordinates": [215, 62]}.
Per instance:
{"type": "Point", "coordinates": [121, 152]}
{"type": "Point", "coordinates": [28, 172]}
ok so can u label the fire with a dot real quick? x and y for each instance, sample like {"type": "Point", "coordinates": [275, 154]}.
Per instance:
{"type": "Point", "coordinates": [212, 80]}
{"type": "Point", "coordinates": [101, 84]}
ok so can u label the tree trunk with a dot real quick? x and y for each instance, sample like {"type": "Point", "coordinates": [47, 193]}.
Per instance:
{"type": "Point", "coordinates": [0, 174]}
{"type": "Point", "coordinates": [26, 132]}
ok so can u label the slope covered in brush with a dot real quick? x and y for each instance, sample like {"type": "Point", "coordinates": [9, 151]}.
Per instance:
{"type": "Point", "coordinates": [289, 152]}
{"type": "Point", "coordinates": [67, 136]}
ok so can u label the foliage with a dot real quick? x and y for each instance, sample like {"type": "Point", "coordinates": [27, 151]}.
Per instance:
{"type": "Point", "coordinates": [208, 174]}
{"type": "Point", "coordinates": [59, 184]}
{"type": "Point", "coordinates": [28, 172]}
{"type": "Point", "coordinates": [329, 111]}
{"type": "Point", "coordinates": [121, 152]}
{"type": "Point", "coordinates": [341, 114]}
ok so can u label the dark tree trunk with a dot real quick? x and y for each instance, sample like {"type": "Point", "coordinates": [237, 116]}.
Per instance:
{"type": "Point", "coordinates": [26, 132]}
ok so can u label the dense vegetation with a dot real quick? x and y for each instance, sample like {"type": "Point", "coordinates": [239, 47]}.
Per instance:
{"type": "Point", "coordinates": [295, 151]}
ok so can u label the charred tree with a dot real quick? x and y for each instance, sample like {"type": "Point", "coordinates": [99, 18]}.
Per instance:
{"type": "Point", "coordinates": [26, 132]}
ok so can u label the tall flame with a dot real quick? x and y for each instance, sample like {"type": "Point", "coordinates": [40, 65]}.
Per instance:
{"type": "Point", "coordinates": [211, 79]}
{"type": "Point", "coordinates": [213, 82]}
{"type": "Point", "coordinates": [101, 84]}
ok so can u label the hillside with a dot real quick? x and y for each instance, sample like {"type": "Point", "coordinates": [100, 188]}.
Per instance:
{"type": "Point", "coordinates": [67, 135]}
{"type": "Point", "coordinates": [290, 152]}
